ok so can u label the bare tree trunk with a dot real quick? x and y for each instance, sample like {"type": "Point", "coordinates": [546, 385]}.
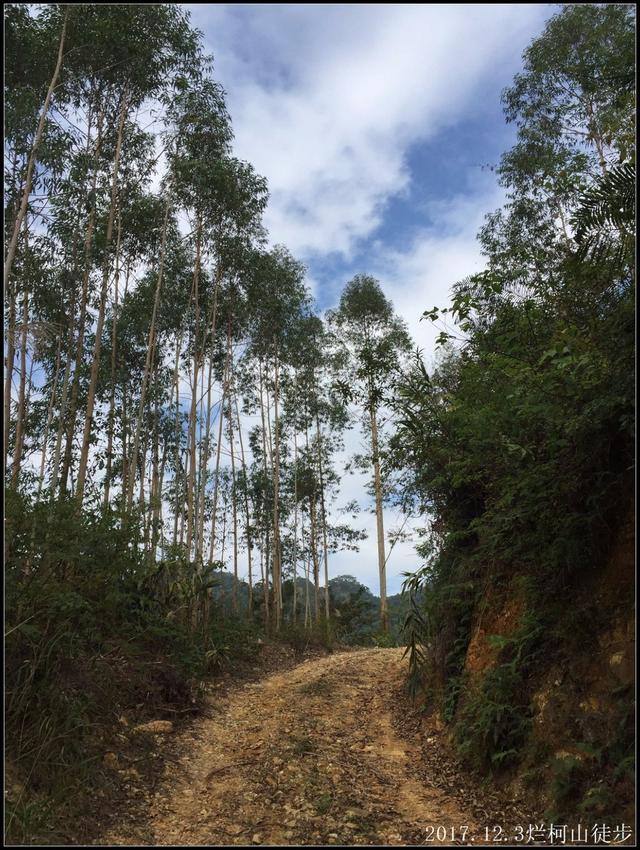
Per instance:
{"type": "Point", "coordinates": [316, 566]}
{"type": "Point", "coordinates": [151, 343]}
{"type": "Point", "coordinates": [198, 473]}
{"type": "Point", "coordinates": [204, 461]}
{"type": "Point", "coordinates": [114, 338]}
{"type": "Point", "coordinates": [62, 412]}
{"type": "Point", "coordinates": [154, 498]}
{"type": "Point", "coordinates": [125, 445]}
{"type": "Point", "coordinates": [22, 212]}
{"type": "Point", "coordinates": [246, 509]}
{"type": "Point", "coordinates": [88, 242]}
{"type": "Point", "coordinates": [8, 381]}
{"type": "Point", "coordinates": [158, 520]}
{"type": "Point", "coordinates": [178, 434]}
{"type": "Point", "coordinates": [95, 364]}
{"type": "Point", "coordinates": [314, 544]}
{"type": "Point", "coordinates": [266, 476]}
{"type": "Point", "coordinates": [216, 480]}
{"type": "Point", "coordinates": [55, 468]}
{"type": "Point", "coordinates": [295, 524]}
{"type": "Point", "coordinates": [264, 584]}
{"type": "Point", "coordinates": [377, 481]}
{"type": "Point", "coordinates": [216, 477]}
{"type": "Point", "coordinates": [192, 416]}
{"type": "Point", "coordinates": [141, 499]}
{"type": "Point", "coordinates": [324, 520]}
{"type": "Point", "coordinates": [277, 566]}
{"type": "Point", "coordinates": [176, 481]}
{"type": "Point", "coordinates": [52, 399]}
{"type": "Point", "coordinates": [20, 410]}
{"type": "Point", "coordinates": [234, 511]}
{"type": "Point", "coordinates": [307, 582]}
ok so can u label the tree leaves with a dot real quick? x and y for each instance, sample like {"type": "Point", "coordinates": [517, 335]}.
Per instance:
{"type": "Point", "coordinates": [608, 205]}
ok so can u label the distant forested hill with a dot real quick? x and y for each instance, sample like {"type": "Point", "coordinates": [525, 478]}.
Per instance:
{"type": "Point", "coordinates": [355, 610]}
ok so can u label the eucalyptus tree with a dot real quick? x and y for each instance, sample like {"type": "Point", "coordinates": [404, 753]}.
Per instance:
{"type": "Point", "coordinates": [314, 409]}
{"type": "Point", "coordinates": [26, 188]}
{"type": "Point", "coordinates": [370, 343]}
{"type": "Point", "coordinates": [225, 199]}
{"type": "Point", "coordinates": [157, 47]}
{"type": "Point", "coordinates": [279, 298]}
{"type": "Point", "coordinates": [573, 105]}
{"type": "Point", "coordinates": [35, 153]}
{"type": "Point", "coordinates": [109, 72]}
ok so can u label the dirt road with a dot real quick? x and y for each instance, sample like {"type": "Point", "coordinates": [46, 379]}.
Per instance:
{"type": "Point", "coordinates": [308, 756]}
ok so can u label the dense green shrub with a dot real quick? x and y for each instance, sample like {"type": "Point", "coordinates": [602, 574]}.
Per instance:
{"type": "Point", "coordinates": [92, 632]}
{"type": "Point", "coordinates": [520, 440]}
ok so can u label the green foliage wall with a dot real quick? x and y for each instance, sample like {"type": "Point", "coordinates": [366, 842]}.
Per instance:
{"type": "Point", "coordinates": [521, 438]}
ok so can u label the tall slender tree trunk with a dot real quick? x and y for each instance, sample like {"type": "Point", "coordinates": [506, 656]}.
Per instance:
{"type": "Point", "coordinates": [262, 579]}
{"type": "Point", "coordinates": [52, 400]}
{"type": "Point", "coordinates": [377, 483]}
{"type": "Point", "coordinates": [22, 212]}
{"type": "Point", "coordinates": [266, 478]}
{"type": "Point", "coordinates": [216, 477]}
{"type": "Point", "coordinates": [316, 566]}
{"type": "Point", "coordinates": [158, 519]}
{"type": "Point", "coordinates": [62, 411]}
{"type": "Point", "coordinates": [307, 582]}
{"type": "Point", "coordinates": [246, 508]}
{"type": "Point", "coordinates": [95, 364]}
{"type": "Point", "coordinates": [207, 436]}
{"type": "Point", "coordinates": [21, 407]}
{"type": "Point", "coordinates": [88, 243]}
{"type": "Point", "coordinates": [216, 480]}
{"type": "Point", "coordinates": [151, 345]}
{"type": "Point", "coordinates": [234, 509]}
{"type": "Point", "coordinates": [323, 512]}
{"type": "Point", "coordinates": [8, 380]}
{"type": "Point", "coordinates": [314, 540]}
{"type": "Point", "coordinates": [191, 483]}
{"type": "Point", "coordinates": [142, 463]}
{"type": "Point", "coordinates": [114, 340]}
{"type": "Point", "coordinates": [178, 431]}
{"type": "Point", "coordinates": [295, 525]}
{"type": "Point", "coordinates": [154, 499]}
{"type": "Point", "coordinates": [277, 566]}
{"type": "Point", "coordinates": [176, 480]}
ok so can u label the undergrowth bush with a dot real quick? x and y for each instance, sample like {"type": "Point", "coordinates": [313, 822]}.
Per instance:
{"type": "Point", "coordinates": [93, 632]}
{"type": "Point", "coordinates": [301, 637]}
{"type": "Point", "coordinates": [494, 721]}
{"type": "Point", "coordinates": [520, 440]}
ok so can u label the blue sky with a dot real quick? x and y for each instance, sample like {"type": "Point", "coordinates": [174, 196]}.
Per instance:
{"type": "Point", "coordinates": [372, 124]}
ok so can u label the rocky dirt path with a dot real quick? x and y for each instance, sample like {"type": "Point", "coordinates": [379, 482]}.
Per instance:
{"type": "Point", "coordinates": [308, 756]}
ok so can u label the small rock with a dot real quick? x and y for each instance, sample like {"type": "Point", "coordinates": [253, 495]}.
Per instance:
{"type": "Point", "coordinates": [111, 760]}
{"type": "Point", "coordinates": [155, 727]}
{"type": "Point", "coordinates": [130, 773]}
{"type": "Point", "coordinates": [233, 830]}
{"type": "Point", "coordinates": [565, 754]}
{"type": "Point", "coordinates": [256, 838]}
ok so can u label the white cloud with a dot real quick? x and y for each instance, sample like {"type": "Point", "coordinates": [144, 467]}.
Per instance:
{"type": "Point", "coordinates": [421, 277]}
{"type": "Point", "coordinates": [326, 100]}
